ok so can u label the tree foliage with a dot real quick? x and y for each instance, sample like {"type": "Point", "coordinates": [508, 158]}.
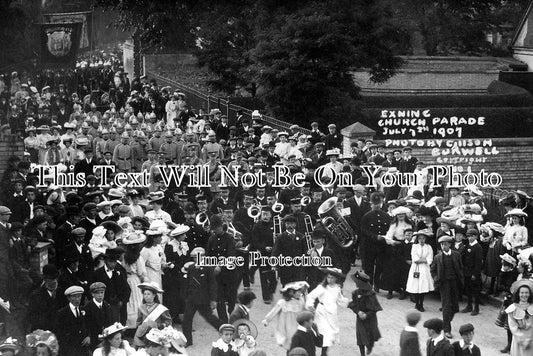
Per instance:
{"type": "Point", "coordinates": [15, 33]}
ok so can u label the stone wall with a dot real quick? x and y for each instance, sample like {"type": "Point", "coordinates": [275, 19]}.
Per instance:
{"type": "Point", "coordinates": [10, 145]}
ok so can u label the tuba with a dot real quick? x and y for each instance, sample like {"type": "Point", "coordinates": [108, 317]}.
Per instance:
{"type": "Point", "coordinates": [341, 232]}
{"type": "Point", "coordinates": [202, 219]}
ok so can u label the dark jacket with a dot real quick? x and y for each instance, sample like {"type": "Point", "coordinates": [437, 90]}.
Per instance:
{"type": "Point", "coordinates": [201, 285]}
{"type": "Point", "coordinates": [409, 345]}
{"type": "Point", "coordinates": [71, 331]}
{"type": "Point", "coordinates": [97, 319]}
{"type": "Point", "coordinates": [472, 260]}
{"type": "Point", "coordinates": [117, 288]}
{"type": "Point", "coordinates": [437, 267]}
{"type": "Point", "coordinates": [443, 348]}
{"type": "Point", "coordinates": [460, 352]}
{"type": "Point", "coordinates": [42, 309]}
{"type": "Point", "coordinates": [306, 340]}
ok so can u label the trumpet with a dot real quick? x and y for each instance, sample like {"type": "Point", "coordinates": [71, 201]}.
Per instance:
{"type": "Point", "coordinates": [202, 219]}
{"type": "Point", "coordinates": [309, 228]}
{"type": "Point", "coordinates": [305, 201]}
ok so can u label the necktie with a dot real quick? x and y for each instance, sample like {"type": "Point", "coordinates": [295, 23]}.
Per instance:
{"type": "Point", "coordinates": [77, 313]}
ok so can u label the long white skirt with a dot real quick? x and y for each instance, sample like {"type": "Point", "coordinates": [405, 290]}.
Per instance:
{"type": "Point", "coordinates": [424, 283]}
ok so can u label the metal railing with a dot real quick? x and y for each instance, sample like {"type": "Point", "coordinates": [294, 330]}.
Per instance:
{"type": "Point", "coordinates": [199, 100]}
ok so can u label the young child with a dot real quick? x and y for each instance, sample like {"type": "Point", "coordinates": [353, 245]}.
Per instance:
{"type": "Point", "coordinates": [306, 337]}
{"type": "Point", "coordinates": [365, 304]}
{"type": "Point", "coordinates": [224, 346]}
{"type": "Point", "coordinates": [328, 294]}
{"type": "Point", "coordinates": [465, 346]}
{"type": "Point", "coordinates": [242, 310]}
{"type": "Point", "coordinates": [409, 345]}
{"type": "Point", "coordinates": [285, 310]}
{"type": "Point", "coordinates": [244, 337]}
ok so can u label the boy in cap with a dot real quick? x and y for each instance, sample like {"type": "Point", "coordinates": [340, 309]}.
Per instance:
{"type": "Point", "coordinates": [409, 345]}
{"type": "Point", "coordinates": [225, 346]}
{"type": "Point", "coordinates": [71, 328]}
{"type": "Point", "coordinates": [465, 346]}
{"type": "Point", "coordinates": [98, 315]}
{"type": "Point", "coordinates": [447, 271]}
{"type": "Point", "coordinates": [437, 345]}
{"type": "Point", "coordinates": [472, 259]}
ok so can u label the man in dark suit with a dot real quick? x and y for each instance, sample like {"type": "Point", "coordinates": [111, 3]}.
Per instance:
{"type": "Point", "coordinates": [23, 209]}
{"type": "Point", "coordinates": [90, 221]}
{"type": "Point", "coordinates": [472, 258]}
{"type": "Point", "coordinates": [69, 276]}
{"type": "Point", "coordinates": [359, 206]}
{"type": "Point", "coordinates": [82, 251]}
{"type": "Point", "coordinates": [44, 301]}
{"type": "Point", "coordinates": [437, 345]}
{"type": "Point", "coordinates": [314, 275]}
{"type": "Point", "coordinates": [408, 163]}
{"type": "Point", "coordinates": [117, 289]}
{"type": "Point", "coordinates": [333, 139]}
{"type": "Point", "coordinates": [201, 292]}
{"type": "Point", "coordinates": [319, 156]}
{"type": "Point", "coordinates": [98, 315]}
{"type": "Point", "coordinates": [62, 236]}
{"type": "Point", "coordinates": [71, 328]}
{"type": "Point", "coordinates": [374, 226]}
{"type": "Point", "coordinates": [447, 272]}
{"type": "Point", "coordinates": [86, 165]}
{"type": "Point", "coordinates": [290, 244]}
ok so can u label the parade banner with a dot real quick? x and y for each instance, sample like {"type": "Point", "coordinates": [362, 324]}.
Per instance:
{"type": "Point", "coordinates": [59, 44]}
{"type": "Point", "coordinates": [85, 18]}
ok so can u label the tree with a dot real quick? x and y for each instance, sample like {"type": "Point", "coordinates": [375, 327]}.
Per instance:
{"type": "Point", "coordinates": [303, 63]}
{"type": "Point", "coordinates": [15, 32]}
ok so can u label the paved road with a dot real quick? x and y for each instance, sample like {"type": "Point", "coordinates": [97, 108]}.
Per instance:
{"type": "Point", "coordinates": [488, 336]}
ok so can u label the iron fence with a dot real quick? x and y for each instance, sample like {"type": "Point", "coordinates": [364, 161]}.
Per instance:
{"type": "Point", "coordinates": [199, 100]}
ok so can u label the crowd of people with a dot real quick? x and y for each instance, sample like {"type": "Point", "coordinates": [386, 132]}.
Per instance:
{"type": "Point", "coordinates": [124, 261]}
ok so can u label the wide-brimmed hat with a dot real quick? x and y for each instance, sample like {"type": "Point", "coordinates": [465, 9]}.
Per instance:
{"type": "Point", "coordinates": [445, 238]}
{"type": "Point", "coordinates": [150, 286]}
{"type": "Point", "coordinates": [424, 232]}
{"type": "Point", "coordinates": [156, 196]}
{"type": "Point", "coordinates": [295, 286]}
{"type": "Point", "coordinates": [251, 326]}
{"type": "Point", "coordinates": [180, 230]}
{"type": "Point", "coordinates": [401, 210]}
{"type": "Point", "coordinates": [362, 280]}
{"type": "Point", "coordinates": [176, 338]}
{"type": "Point", "coordinates": [523, 194]}
{"type": "Point", "coordinates": [509, 259]}
{"type": "Point", "coordinates": [11, 344]}
{"type": "Point", "coordinates": [520, 283]}
{"type": "Point", "coordinates": [43, 337]}
{"type": "Point", "coordinates": [111, 225]}
{"type": "Point", "coordinates": [447, 221]}
{"type": "Point", "coordinates": [333, 271]}
{"type": "Point", "coordinates": [111, 330]}
{"type": "Point", "coordinates": [333, 152]}
{"type": "Point", "coordinates": [516, 212]}
{"type": "Point", "coordinates": [134, 237]}
{"type": "Point", "coordinates": [158, 337]}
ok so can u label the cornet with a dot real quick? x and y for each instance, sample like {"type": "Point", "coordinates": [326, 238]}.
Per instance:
{"type": "Point", "coordinates": [277, 208]}
{"type": "Point", "coordinates": [254, 212]}
{"type": "Point", "coordinates": [305, 201]}
{"type": "Point", "coordinates": [202, 219]}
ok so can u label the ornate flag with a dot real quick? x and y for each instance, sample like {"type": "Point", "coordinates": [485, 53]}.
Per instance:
{"type": "Point", "coordinates": [69, 17]}
{"type": "Point", "coordinates": [59, 44]}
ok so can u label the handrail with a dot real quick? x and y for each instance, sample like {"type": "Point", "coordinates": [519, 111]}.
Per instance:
{"type": "Point", "coordinates": [222, 102]}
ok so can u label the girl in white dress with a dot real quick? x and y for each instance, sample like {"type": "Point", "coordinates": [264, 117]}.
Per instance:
{"type": "Point", "coordinates": [420, 281]}
{"type": "Point", "coordinates": [329, 295]}
{"type": "Point", "coordinates": [154, 257]}
{"type": "Point", "coordinates": [135, 267]}
{"type": "Point", "coordinates": [515, 234]}
{"type": "Point", "coordinates": [112, 344]}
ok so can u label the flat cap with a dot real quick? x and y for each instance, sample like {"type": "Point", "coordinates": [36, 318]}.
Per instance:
{"type": "Point", "coordinates": [434, 324]}
{"type": "Point", "coordinates": [413, 316]}
{"type": "Point", "coordinates": [96, 286]}
{"type": "Point", "coordinates": [4, 210]}
{"type": "Point", "coordinates": [445, 238]}
{"type": "Point", "coordinates": [466, 328]}
{"type": "Point", "coordinates": [74, 290]}
{"type": "Point", "coordinates": [79, 231]}
{"type": "Point", "coordinates": [226, 327]}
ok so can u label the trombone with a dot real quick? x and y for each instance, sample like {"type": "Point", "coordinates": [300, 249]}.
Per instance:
{"type": "Point", "coordinates": [305, 201]}
{"type": "Point", "coordinates": [277, 208]}
{"type": "Point", "coordinates": [309, 228]}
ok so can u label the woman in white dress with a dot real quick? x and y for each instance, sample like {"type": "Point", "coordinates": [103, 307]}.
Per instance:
{"type": "Point", "coordinates": [113, 344]}
{"type": "Point", "coordinates": [329, 295]}
{"type": "Point", "coordinates": [154, 257]}
{"type": "Point", "coordinates": [420, 281]}
{"type": "Point", "coordinates": [135, 267]}
{"type": "Point", "coordinates": [520, 318]}
{"type": "Point", "coordinates": [515, 234]}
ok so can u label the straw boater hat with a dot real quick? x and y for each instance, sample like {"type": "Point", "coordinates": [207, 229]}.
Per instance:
{"type": "Point", "coordinates": [523, 194]}
{"type": "Point", "coordinates": [333, 152]}
{"type": "Point", "coordinates": [111, 330]}
{"type": "Point", "coordinates": [509, 259]}
{"type": "Point", "coordinates": [180, 230]}
{"type": "Point", "coordinates": [516, 212]}
{"type": "Point", "coordinates": [152, 286]}
{"type": "Point", "coordinates": [132, 238]}
{"type": "Point", "coordinates": [401, 210]}
{"type": "Point", "coordinates": [520, 283]}
{"type": "Point", "coordinates": [446, 221]}
{"type": "Point", "coordinates": [251, 326]}
{"type": "Point", "coordinates": [333, 271]}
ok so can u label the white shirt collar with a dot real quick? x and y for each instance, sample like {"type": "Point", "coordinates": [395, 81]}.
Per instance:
{"type": "Point", "coordinates": [302, 328]}
{"type": "Point", "coordinates": [98, 304]}
{"type": "Point", "coordinates": [449, 253]}
{"type": "Point", "coordinates": [473, 243]}
{"type": "Point", "coordinates": [319, 250]}
{"type": "Point", "coordinates": [462, 344]}
{"type": "Point", "coordinates": [411, 328]}
{"type": "Point", "coordinates": [245, 308]}
{"type": "Point", "coordinates": [438, 339]}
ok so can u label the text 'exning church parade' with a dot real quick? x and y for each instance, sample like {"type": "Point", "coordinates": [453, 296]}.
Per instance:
{"type": "Point", "coordinates": [266, 178]}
